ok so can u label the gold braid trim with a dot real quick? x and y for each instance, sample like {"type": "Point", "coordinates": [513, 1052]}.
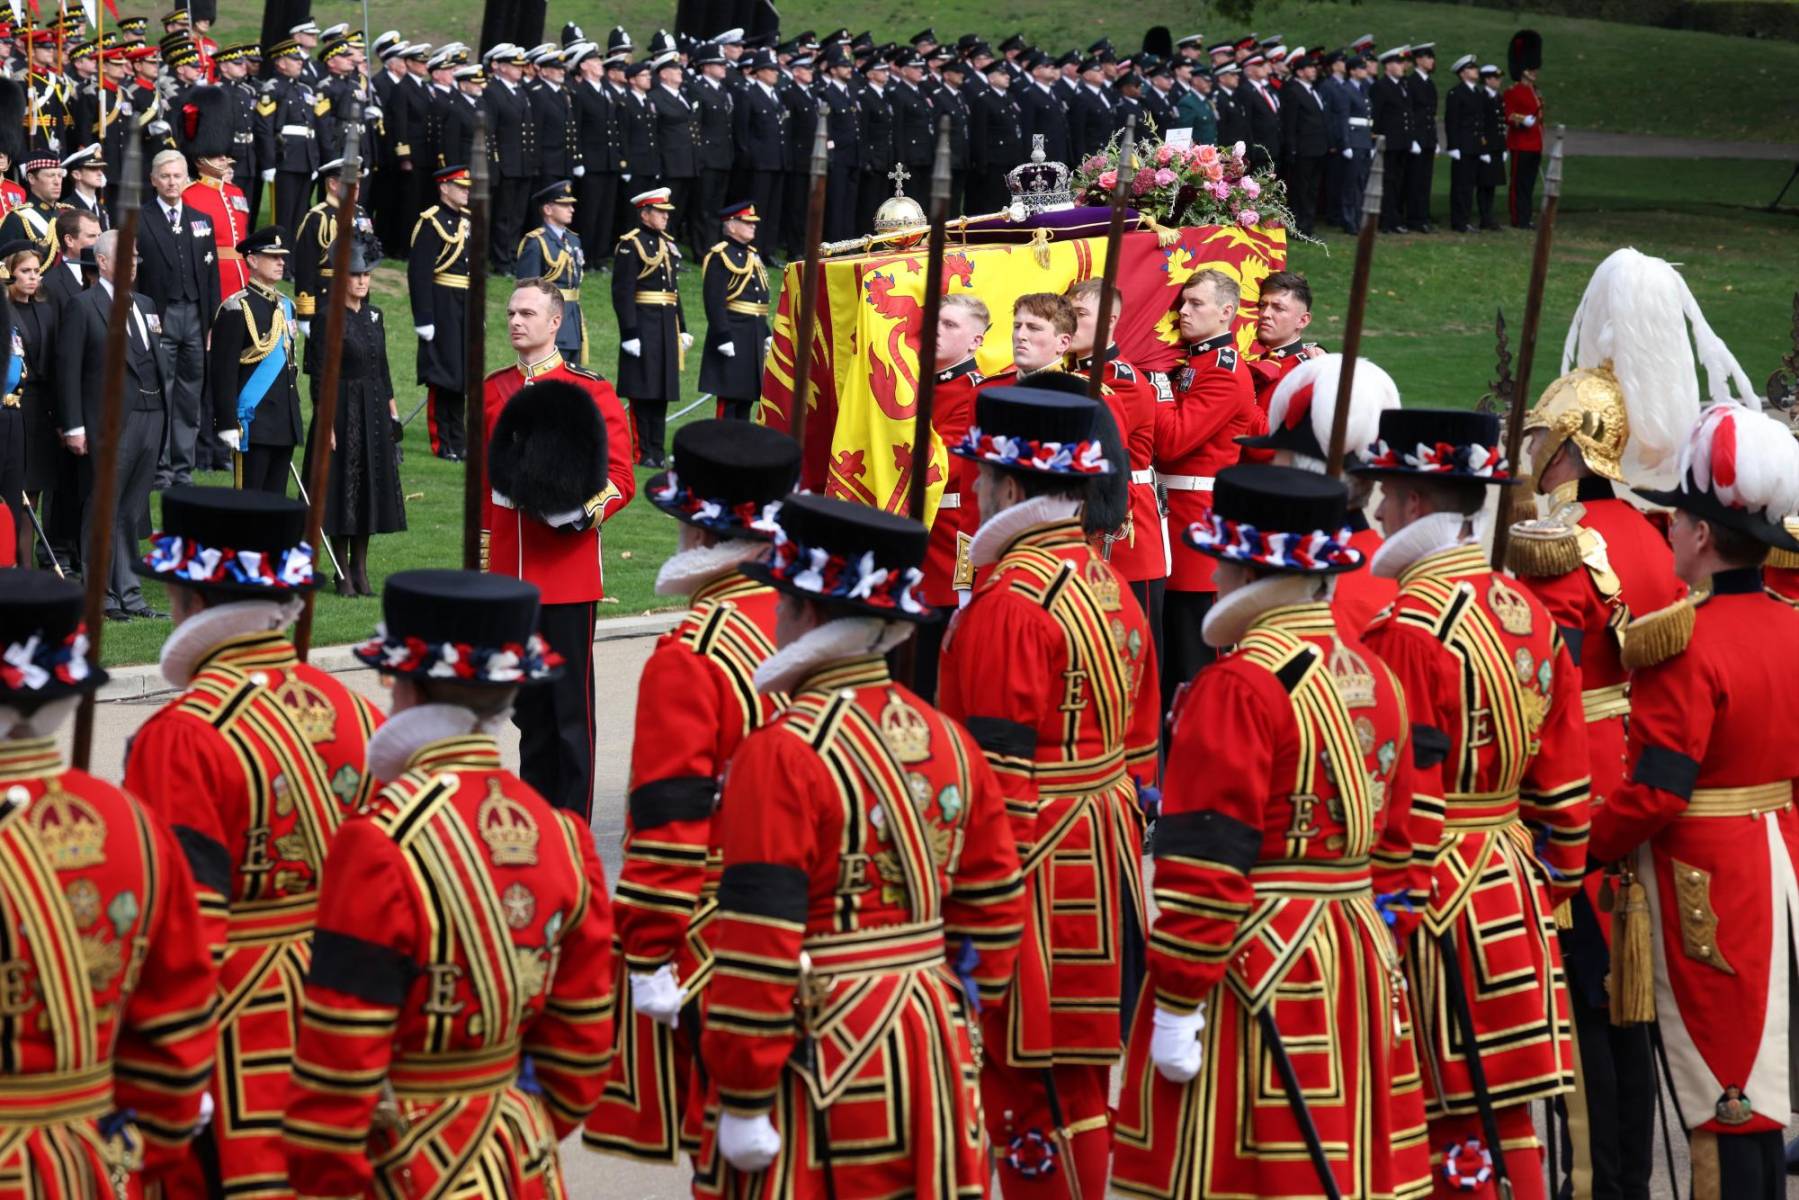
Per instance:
{"type": "Point", "coordinates": [1658, 636]}
{"type": "Point", "coordinates": [1543, 549]}
{"type": "Point", "coordinates": [1786, 560]}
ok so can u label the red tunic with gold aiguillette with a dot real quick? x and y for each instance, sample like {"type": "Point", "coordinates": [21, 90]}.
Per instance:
{"type": "Point", "coordinates": [1269, 853]}
{"type": "Point", "coordinates": [1139, 552]}
{"type": "Point", "coordinates": [106, 995]}
{"type": "Point", "coordinates": [1051, 668]}
{"type": "Point", "coordinates": [1213, 405]}
{"type": "Point", "coordinates": [234, 771]}
{"type": "Point", "coordinates": [1708, 811]}
{"type": "Point", "coordinates": [697, 702]}
{"type": "Point", "coordinates": [494, 944]}
{"type": "Point", "coordinates": [229, 213]}
{"type": "Point", "coordinates": [1500, 810]}
{"type": "Point", "coordinates": [946, 567]}
{"type": "Point", "coordinates": [866, 850]}
{"type": "Point", "coordinates": [566, 564]}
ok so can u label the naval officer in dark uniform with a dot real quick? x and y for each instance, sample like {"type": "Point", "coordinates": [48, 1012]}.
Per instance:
{"type": "Point", "coordinates": [552, 252]}
{"type": "Point", "coordinates": [735, 285]}
{"type": "Point", "coordinates": [652, 333]}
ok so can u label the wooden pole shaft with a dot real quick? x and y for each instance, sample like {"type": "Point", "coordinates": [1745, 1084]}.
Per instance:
{"type": "Point", "coordinates": [1358, 305]}
{"type": "Point", "coordinates": [927, 334]}
{"type": "Point", "coordinates": [1102, 320]}
{"type": "Point", "coordinates": [474, 371]}
{"type": "Point", "coordinates": [808, 310]}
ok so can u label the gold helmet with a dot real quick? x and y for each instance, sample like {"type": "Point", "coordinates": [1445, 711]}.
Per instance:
{"type": "Point", "coordinates": [1629, 388]}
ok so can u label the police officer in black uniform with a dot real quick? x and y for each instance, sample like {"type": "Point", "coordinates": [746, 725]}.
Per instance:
{"type": "Point", "coordinates": [735, 284]}
{"type": "Point", "coordinates": [914, 125]}
{"type": "Point", "coordinates": [877, 142]}
{"type": "Point", "coordinates": [287, 133]}
{"type": "Point", "coordinates": [652, 332]}
{"type": "Point", "coordinates": [995, 139]}
{"type": "Point", "coordinates": [764, 145]}
{"type": "Point", "coordinates": [845, 130]}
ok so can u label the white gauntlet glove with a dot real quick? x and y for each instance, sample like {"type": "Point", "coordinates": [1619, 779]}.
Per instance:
{"type": "Point", "coordinates": [632, 346]}
{"type": "Point", "coordinates": [1348, 152]}
{"type": "Point", "coordinates": [580, 171]}
{"type": "Point", "coordinates": [1175, 1047]}
{"type": "Point", "coordinates": [1417, 149]}
{"type": "Point", "coordinates": [658, 996]}
{"type": "Point", "coordinates": [305, 328]}
{"type": "Point", "coordinates": [1455, 156]}
{"type": "Point", "coordinates": [1529, 121]}
{"type": "Point", "coordinates": [728, 349]}
{"type": "Point", "coordinates": [426, 332]}
{"type": "Point", "coordinates": [687, 341]}
{"type": "Point", "coordinates": [232, 438]}
{"type": "Point", "coordinates": [1486, 158]}
{"type": "Point", "coordinates": [268, 176]}
{"type": "Point", "coordinates": [748, 1143]}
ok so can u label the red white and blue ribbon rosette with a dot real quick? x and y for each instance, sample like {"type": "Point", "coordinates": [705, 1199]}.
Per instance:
{"type": "Point", "coordinates": [1050, 458]}
{"type": "Point", "coordinates": [821, 573]}
{"type": "Point", "coordinates": [460, 662]}
{"type": "Point", "coordinates": [183, 560]}
{"type": "Point", "coordinates": [1467, 1165]}
{"type": "Point", "coordinates": [1236, 541]}
{"type": "Point", "coordinates": [1441, 458]}
{"type": "Point", "coordinates": [676, 497]}
{"type": "Point", "coordinates": [35, 663]}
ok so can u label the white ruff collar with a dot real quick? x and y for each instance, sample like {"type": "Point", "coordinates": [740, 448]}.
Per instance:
{"type": "Point", "coordinates": [201, 633]}
{"type": "Point", "coordinates": [1007, 526]}
{"type": "Point", "coordinates": [406, 733]}
{"type": "Point", "coordinates": [687, 571]}
{"type": "Point", "coordinates": [1230, 616]}
{"type": "Point", "coordinates": [1425, 536]}
{"type": "Point", "coordinates": [846, 637]}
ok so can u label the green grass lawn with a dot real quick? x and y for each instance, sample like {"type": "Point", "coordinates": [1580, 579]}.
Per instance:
{"type": "Point", "coordinates": [1597, 75]}
{"type": "Point", "coordinates": [1429, 322]}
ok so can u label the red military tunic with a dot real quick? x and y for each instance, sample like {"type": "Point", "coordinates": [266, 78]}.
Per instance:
{"type": "Point", "coordinates": [1140, 553]}
{"type": "Point", "coordinates": [235, 766]}
{"type": "Point", "coordinates": [105, 983]}
{"type": "Point", "coordinates": [1708, 812]}
{"type": "Point", "coordinates": [1268, 858]}
{"type": "Point", "coordinates": [946, 566]}
{"type": "Point", "coordinates": [1268, 367]}
{"type": "Point", "coordinates": [224, 205]}
{"type": "Point", "coordinates": [12, 196]}
{"type": "Point", "coordinates": [1499, 739]}
{"type": "Point", "coordinates": [1523, 100]}
{"type": "Point", "coordinates": [866, 849]}
{"type": "Point", "coordinates": [1360, 595]}
{"type": "Point", "coordinates": [493, 943]}
{"type": "Point", "coordinates": [1214, 404]}
{"type": "Point", "coordinates": [568, 567]}
{"type": "Point", "coordinates": [698, 701]}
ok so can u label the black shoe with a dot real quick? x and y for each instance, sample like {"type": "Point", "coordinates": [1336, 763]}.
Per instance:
{"type": "Point", "coordinates": [117, 614]}
{"type": "Point", "coordinates": [1489, 226]}
{"type": "Point", "coordinates": [1427, 227]}
{"type": "Point", "coordinates": [1793, 1157]}
{"type": "Point", "coordinates": [346, 587]}
{"type": "Point", "coordinates": [1462, 229]}
{"type": "Point", "coordinates": [145, 614]}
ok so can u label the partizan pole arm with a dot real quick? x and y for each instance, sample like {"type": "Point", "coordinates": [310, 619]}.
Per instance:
{"type": "Point", "coordinates": [324, 414]}
{"type": "Point", "coordinates": [1102, 322]}
{"type": "Point", "coordinates": [1358, 305]}
{"type": "Point", "coordinates": [808, 311]}
{"type": "Point", "coordinates": [105, 448]}
{"type": "Point", "coordinates": [1527, 337]}
{"type": "Point", "coordinates": [927, 334]}
{"type": "Point", "coordinates": [474, 370]}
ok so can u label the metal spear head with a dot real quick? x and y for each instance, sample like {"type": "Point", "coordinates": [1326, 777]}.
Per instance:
{"type": "Point", "coordinates": [1552, 179]}
{"type": "Point", "coordinates": [819, 147]}
{"type": "Point", "coordinates": [1377, 175]}
{"type": "Point", "coordinates": [940, 165]}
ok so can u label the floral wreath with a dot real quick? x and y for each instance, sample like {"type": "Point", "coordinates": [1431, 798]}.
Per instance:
{"type": "Point", "coordinates": [819, 572]}
{"type": "Point", "coordinates": [1031, 1154]}
{"type": "Point", "coordinates": [680, 499]}
{"type": "Point", "coordinates": [30, 665]}
{"type": "Point", "coordinates": [1441, 458]}
{"type": "Point", "coordinates": [1467, 1166]}
{"type": "Point", "coordinates": [183, 560]}
{"type": "Point", "coordinates": [1054, 458]}
{"type": "Point", "coordinates": [1238, 541]}
{"type": "Point", "coordinates": [459, 661]}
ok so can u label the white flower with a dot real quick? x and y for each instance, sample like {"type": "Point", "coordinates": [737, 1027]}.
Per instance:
{"type": "Point", "coordinates": [22, 658]}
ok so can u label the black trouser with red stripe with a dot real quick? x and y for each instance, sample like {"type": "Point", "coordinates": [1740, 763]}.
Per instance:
{"type": "Point", "coordinates": [444, 418]}
{"type": "Point", "coordinates": [1522, 197]}
{"type": "Point", "coordinates": [555, 720]}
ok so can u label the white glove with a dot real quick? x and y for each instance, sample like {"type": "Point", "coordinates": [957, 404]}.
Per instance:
{"type": "Point", "coordinates": [1348, 152]}
{"type": "Point", "coordinates": [426, 332]}
{"type": "Point", "coordinates": [1455, 156]}
{"type": "Point", "coordinates": [1417, 149]}
{"type": "Point", "coordinates": [632, 346]}
{"type": "Point", "coordinates": [748, 1143]}
{"type": "Point", "coordinates": [728, 349]}
{"type": "Point", "coordinates": [1175, 1047]}
{"type": "Point", "coordinates": [232, 438]}
{"type": "Point", "coordinates": [157, 129]}
{"type": "Point", "coordinates": [1486, 158]}
{"type": "Point", "coordinates": [372, 113]}
{"type": "Point", "coordinates": [1529, 121]}
{"type": "Point", "coordinates": [268, 176]}
{"type": "Point", "coordinates": [687, 341]}
{"type": "Point", "coordinates": [626, 177]}
{"type": "Point", "coordinates": [580, 171]}
{"type": "Point", "coordinates": [305, 328]}
{"type": "Point", "coordinates": [207, 1108]}
{"type": "Point", "coordinates": [768, 344]}
{"type": "Point", "coordinates": [658, 996]}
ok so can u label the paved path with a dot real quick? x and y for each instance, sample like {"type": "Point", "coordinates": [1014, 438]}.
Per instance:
{"type": "Point", "coordinates": [1595, 144]}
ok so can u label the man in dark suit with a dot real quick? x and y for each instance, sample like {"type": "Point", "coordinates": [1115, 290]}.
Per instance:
{"type": "Point", "coordinates": [1461, 130]}
{"type": "Point", "coordinates": [1263, 108]}
{"type": "Point", "coordinates": [179, 272]}
{"type": "Point", "coordinates": [80, 370]}
{"type": "Point", "coordinates": [1390, 102]}
{"type": "Point", "coordinates": [718, 147]}
{"type": "Point", "coordinates": [1042, 111]}
{"type": "Point", "coordinates": [763, 143]}
{"type": "Point", "coordinates": [1306, 136]}
{"type": "Point", "coordinates": [602, 142]}
{"type": "Point", "coordinates": [845, 130]}
{"type": "Point", "coordinates": [512, 149]}
{"type": "Point", "coordinates": [678, 141]}
{"type": "Point", "coordinates": [1423, 93]}
{"type": "Point", "coordinates": [76, 231]}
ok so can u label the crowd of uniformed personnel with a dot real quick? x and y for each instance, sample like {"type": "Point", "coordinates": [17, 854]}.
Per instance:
{"type": "Point", "coordinates": [1431, 840]}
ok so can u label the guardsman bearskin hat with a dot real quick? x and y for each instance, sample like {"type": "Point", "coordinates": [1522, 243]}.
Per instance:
{"type": "Point", "coordinates": [548, 454]}
{"type": "Point", "coordinates": [206, 119]}
{"type": "Point", "coordinates": [1525, 53]}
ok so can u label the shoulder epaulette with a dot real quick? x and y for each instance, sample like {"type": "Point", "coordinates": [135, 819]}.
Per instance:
{"type": "Point", "coordinates": [1227, 357]}
{"type": "Point", "coordinates": [1124, 370]}
{"type": "Point", "coordinates": [1543, 549]}
{"type": "Point", "coordinates": [583, 372]}
{"type": "Point", "coordinates": [1786, 560]}
{"type": "Point", "coordinates": [1658, 636]}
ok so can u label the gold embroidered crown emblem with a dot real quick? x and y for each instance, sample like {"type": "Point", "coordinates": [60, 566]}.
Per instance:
{"type": "Point", "coordinates": [1103, 584]}
{"type": "Point", "coordinates": [905, 730]}
{"type": "Point", "coordinates": [1355, 682]}
{"type": "Point", "coordinates": [70, 829]}
{"type": "Point", "coordinates": [310, 709]}
{"type": "Point", "coordinates": [508, 828]}
{"type": "Point", "coordinates": [1509, 607]}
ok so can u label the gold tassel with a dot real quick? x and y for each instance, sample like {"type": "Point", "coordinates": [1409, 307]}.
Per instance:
{"type": "Point", "coordinates": [1165, 237]}
{"type": "Point", "coordinates": [1564, 915]}
{"type": "Point", "coordinates": [1632, 982]}
{"type": "Point", "coordinates": [1542, 549]}
{"type": "Point", "coordinates": [1040, 247]}
{"type": "Point", "coordinates": [1658, 636]}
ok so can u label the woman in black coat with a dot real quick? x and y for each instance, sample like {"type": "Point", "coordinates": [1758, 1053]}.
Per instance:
{"type": "Point", "coordinates": [362, 495]}
{"type": "Point", "coordinates": [31, 452]}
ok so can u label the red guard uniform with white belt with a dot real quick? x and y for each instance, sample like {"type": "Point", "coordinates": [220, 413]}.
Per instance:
{"type": "Point", "coordinates": [229, 212]}
{"type": "Point", "coordinates": [1214, 403]}
{"type": "Point", "coordinates": [1052, 669]}
{"type": "Point", "coordinates": [1139, 553]}
{"type": "Point", "coordinates": [700, 702]}
{"type": "Point", "coordinates": [236, 765]}
{"type": "Point", "coordinates": [866, 850]}
{"type": "Point", "coordinates": [493, 942]}
{"type": "Point", "coordinates": [946, 569]}
{"type": "Point", "coordinates": [1500, 809]}
{"type": "Point", "coordinates": [106, 984]}
{"type": "Point", "coordinates": [1268, 860]}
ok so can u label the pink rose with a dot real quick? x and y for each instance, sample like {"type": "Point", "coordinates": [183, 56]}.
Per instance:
{"type": "Point", "coordinates": [1164, 177]}
{"type": "Point", "coordinates": [1251, 188]}
{"type": "Point", "coordinates": [1204, 154]}
{"type": "Point", "coordinates": [1163, 154]}
{"type": "Point", "coordinates": [1095, 163]}
{"type": "Point", "coordinates": [1215, 172]}
{"type": "Point", "coordinates": [1219, 189]}
{"type": "Point", "coordinates": [1248, 216]}
{"type": "Point", "coordinates": [1108, 179]}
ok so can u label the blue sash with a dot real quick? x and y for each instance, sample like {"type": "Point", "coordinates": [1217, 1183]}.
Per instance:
{"type": "Point", "coordinates": [263, 377]}
{"type": "Point", "coordinates": [15, 367]}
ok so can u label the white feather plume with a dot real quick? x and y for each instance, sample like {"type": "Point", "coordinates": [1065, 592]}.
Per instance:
{"type": "Point", "coordinates": [1635, 315]}
{"type": "Point", "coordinates": [1374, 392]}
{"type": "Point", "coordinates": [1766, 460]}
